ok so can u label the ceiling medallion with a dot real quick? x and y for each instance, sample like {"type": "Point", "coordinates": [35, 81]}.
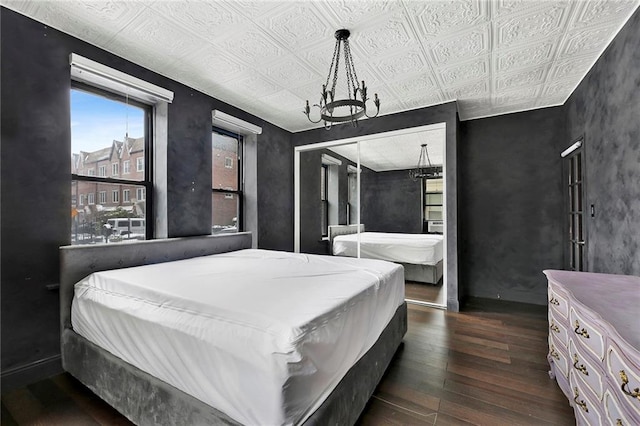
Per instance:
{"type": "Point", "coordinates": [354, 106]}
{"type": "Point", "coordinates": [424, 169]}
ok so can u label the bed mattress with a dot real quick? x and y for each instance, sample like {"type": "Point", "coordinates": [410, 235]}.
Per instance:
{"type": "Point", "coordinates": [419, 249]}
{"type": "Point", "coordinates": [262, 336]}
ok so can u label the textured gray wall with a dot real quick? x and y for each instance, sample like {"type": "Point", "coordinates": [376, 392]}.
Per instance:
{"type": "Point", "coordinates": [36, 167]}
{"type": "Point", "coordinates": [605, 108]}
{"type": "Point", "coordinates": [391, 202]}
{"type": "Point", "coordinates": [511, 204]}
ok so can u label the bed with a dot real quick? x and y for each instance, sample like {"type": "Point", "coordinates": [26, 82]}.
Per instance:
{"type": "Point", "coordinates": [420, 254]}
{"type": "Point", "coordinates": [234, 352]}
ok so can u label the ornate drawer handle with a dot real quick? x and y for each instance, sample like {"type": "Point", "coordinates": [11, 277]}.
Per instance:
{"type": "Point", "coordinates": [554, 328]}
{"type": "Point", "coordinates": [625, 382]}
{"type": "Point", "coordinates": [582, 332]}
{"type": "Point", "coordinates": [619, 422]}
{"type": "Point", "coordinates": [580, 368]}
{"type": "Point", "coordinates": [553, 353]}
{"type": "Point", "coordinates": [554, 301]}
{"type": "Point", "coordinates": [580, 404]}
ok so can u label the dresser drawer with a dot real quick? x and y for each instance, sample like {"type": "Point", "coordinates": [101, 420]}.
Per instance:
{"type": "Point", "coordinates": [613, 413]}
{"type": "Point", "coordinates": [587, 411]}
{"type": "Point", "coordinates": [586, 332]}
{"type": "Point", "coordinates": [558, 356]}
{"type": "Point", "coordinates": [624, 378]}
{"type": "Point", "coordinates": [558, 300]}
{"type": "Point", "coordinates": [584, 368]}
{"type": "Point", "coordinates": [558, 329]}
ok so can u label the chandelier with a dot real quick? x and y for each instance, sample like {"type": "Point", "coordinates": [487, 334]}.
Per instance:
{"type": "Point", "coordinates": [424, 169]}
{"type": "Point", "coordinates": [354, 106]}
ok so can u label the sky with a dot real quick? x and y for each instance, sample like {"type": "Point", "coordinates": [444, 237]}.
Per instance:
{"type": "Point", "coordinates": [97, 121]}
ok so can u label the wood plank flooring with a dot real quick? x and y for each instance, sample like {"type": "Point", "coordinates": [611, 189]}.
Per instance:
{"type": "Point", "coordinates": [431, 293]}
{"type": "Point", "coordinates": [484, 366]}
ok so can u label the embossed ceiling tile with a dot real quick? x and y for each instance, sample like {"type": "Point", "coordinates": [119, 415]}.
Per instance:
{"type": "Point", "coordinates": [212, 64]}
{"type": "Point", "coordinates": [505, 7]}
{"type": "Point", "coordinates": [158, 36]}
{"type": "Point", "coordinates": [414, 86]}
{"type": "Point", "coordinates": [516, 97]}
{"type": "Point", "coordinates": [439, 17]}
{"type": "Point", "coordinates": [477, 89]}
{"type": "Point", "coordinates": [461, 46]}
{"type": "Point", "coordinates": [383, 38]}
{"type": "Point", "coordinates": [251, 45]}
{"type": "Point", "coordinates": [574, 68]}
{"type": "Point", "coordinates": [465, 71]}
{"type": "Point", "coordinates": [350, 13]}
{"type": "Point", "coordinates": [559, 88]}
{"type": "Point", "coordinates": [403, 64]}
{"type": "Point", "coordinates": [288, 72]}
{"type": "Point", "coordinates": [586, 40]}
{"type": "Point", "coordinates": [254, 85]}
{"type": "Point", "coordinates": [297, 25]}
{"type": "Point", "coordinates": [319, 56]}
{"type": "Point", "coordinates": [252, 8]}
{"type": "Point", "coordinates": [547, 20]}
{"type": "Point", "coordinates": [424, 100]}
{"type": "Point", "coordinates": [139, 54]}
{"type": "Point", "coordinates": [521, 78]}
{"type": "Point", "coordinates": [207, 19]}
{"type": "Point", "coordinates": [525, 56]}
{"type": "Point", "coordinates": [595, 12]}
{"type": "Point", "coordinates": [284, 101]}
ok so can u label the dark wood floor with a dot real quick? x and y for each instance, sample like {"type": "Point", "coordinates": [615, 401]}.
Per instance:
{"type": "Point", "coordinates": [430, 293]}
{"type": "Point", "coordinates": [484, 366]}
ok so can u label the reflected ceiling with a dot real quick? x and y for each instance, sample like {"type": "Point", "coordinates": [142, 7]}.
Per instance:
{"type": "Point", "coordinates": [268, 57]}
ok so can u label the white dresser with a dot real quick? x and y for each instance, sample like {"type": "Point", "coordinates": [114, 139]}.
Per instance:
{"type": "Point", "coordinates": [594, 344]}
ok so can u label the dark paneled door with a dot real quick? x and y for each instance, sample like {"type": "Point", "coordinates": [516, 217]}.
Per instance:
{"type": "Point", "coordinates": [574, 190]}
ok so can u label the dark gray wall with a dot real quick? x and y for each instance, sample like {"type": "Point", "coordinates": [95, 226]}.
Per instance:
{"type": "Point", "coordinates": [511, 204]}
{"type": "Point", "coordinates": [36, 165]}
{"type": "Point", "coordinates": [391, 202]}
{"type": "Point", "coordinates": [605, 109]}
{"type": "Point", "coordinates": [446, 113]}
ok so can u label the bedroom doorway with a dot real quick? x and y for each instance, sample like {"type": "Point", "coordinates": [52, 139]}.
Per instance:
{"type": "Point", "coordinates": [381, 199]}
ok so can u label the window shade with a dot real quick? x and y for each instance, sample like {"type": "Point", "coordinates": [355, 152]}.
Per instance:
{"type": "Point", "coordinates": [94, 73]}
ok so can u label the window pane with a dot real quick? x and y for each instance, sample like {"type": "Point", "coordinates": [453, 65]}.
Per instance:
{"type": "Point", "coordinates": [98, 143]}
{"type": "Point", "coordinates": [224, 208]}
{"type": "Point", "coordinates": [225, 162]}
{"type": "Point", "coordinates": [93, 221]}
{"type": "Point", "coordinates": [433, 199]}
{"type": "Point", "coordinates": [433, 185]}
{"type": "Point", "coordinates": [433, 212]}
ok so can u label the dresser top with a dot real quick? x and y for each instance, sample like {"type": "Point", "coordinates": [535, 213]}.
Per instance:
{"type": "Point", "coordinates": [614, 298]}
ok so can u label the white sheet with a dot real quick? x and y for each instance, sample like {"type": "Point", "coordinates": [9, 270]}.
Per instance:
{"type": "Point", "coordinates": [419, 249]}
{"type": "Point", "coordinates": [262, 336]}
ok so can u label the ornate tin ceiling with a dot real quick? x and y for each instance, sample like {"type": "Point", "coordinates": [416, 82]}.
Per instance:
{"type": "Point", "coordinates": [268, 57]}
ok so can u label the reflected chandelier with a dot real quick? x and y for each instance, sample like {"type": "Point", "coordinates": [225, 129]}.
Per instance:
{"type": "Point", "coordinates": [356, 100]}
{"type": "Point", "coordinates": [424, 169]}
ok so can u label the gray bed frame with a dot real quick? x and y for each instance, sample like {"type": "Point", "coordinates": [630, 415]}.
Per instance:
{"type": "Point", "coordinates": [146, 400]}
{"type": "Point", "coordinates": [430, 274]}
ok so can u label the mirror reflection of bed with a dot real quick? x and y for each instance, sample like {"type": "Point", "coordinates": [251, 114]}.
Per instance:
{"type": "Point", "coordinates": [367, 181]}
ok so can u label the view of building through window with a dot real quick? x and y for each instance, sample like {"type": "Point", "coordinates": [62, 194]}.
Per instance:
{"type": "Point", "coordinates": [108, 202]}
{"type": "Point", "coordinates": [226, 197]}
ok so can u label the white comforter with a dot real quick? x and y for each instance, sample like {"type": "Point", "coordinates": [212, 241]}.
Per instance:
{"type": "Point", "coordinates": [419, 249]}
{"type": "Point", "coordinates": [262, 336]}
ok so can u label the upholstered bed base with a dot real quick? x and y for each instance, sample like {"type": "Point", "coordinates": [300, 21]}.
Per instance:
{"type": "Point", "coordinates": [146, 400]}
{"type": "Point", "coordinates": [429, 274]}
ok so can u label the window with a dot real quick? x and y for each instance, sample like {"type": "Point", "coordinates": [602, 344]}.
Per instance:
{"type": "Point", "coordinates": [126, 196]}
{"type": "Point", "coordinates": [95, 112]}
{"type": "Point", "coordinates": [226, 183]}
{"type": "Point", "coordinates": [81, 200]}
{"type": "Point", "coordinates": [126, 165]}
{"type": "Point", "coordinates": [324, 199]}
{"type": "Point", "coordinates": [140, 164]}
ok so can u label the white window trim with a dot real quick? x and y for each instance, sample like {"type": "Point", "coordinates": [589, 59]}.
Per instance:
{"type": "Point", "coordinates": [140, 164]}
{"type": "Point", "coordinates": [115, 169]}
{"type": "Point", "coordinates": [126, 196]}
{"type": "Point", "coordinates": [126, 167]}
{"type": "Point", "coordinates": [233, 124]}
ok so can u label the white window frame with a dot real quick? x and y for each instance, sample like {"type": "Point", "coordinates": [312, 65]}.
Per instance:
{"type": "Point", "coordinates": [91, 198]}
{"type": "Point", "coordinates": [81, 200]}
{"type": "Point", "coordinates": [102, 171]}
{"type": "Point", "coordinates": [91, 172]}
{"type": "Point", "coordinates": [126, 195]}
{"type": "Point", "coordinates": [102, 196]}
{"type": "Point", "coordinates": [140, 194]}
{"type": "Point", "coordinates": [228, 162]}
{"type": "Point", "coordinates": [115, 196]}
{"type": "Point", "coordinates": [140, 164]}
{"type": "Point", "coordinates": [126, 167]}
{"type": "Point", "coordinates": [115, 169]}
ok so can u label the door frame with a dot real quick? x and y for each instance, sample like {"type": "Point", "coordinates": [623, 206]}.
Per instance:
{"type": "Point", "coordinates": [577, 147]}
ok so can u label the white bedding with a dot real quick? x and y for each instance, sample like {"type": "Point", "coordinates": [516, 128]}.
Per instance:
{"type": "Point", "coordinates": [263, 336]}
{"type": "Point", "coordinates": [419, 249]}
